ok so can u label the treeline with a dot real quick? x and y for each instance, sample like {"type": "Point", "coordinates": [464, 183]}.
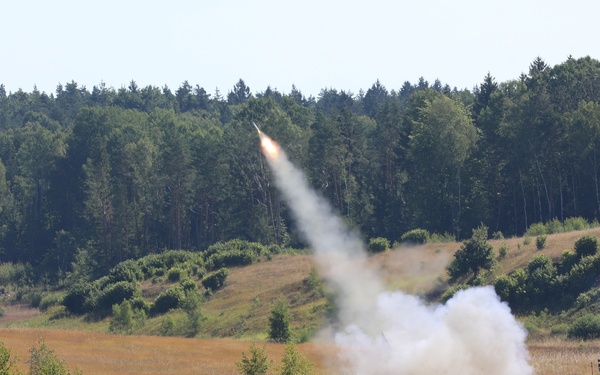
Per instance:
{"type": "Point", "coordinates": [117, 174]}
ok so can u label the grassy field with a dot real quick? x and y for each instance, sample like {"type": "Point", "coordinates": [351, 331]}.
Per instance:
{"type": "Point", "coordinates": [239, 314]}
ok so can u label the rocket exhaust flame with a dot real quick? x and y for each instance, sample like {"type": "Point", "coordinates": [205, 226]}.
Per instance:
{"type": "Point", "coordinates": [269, 146]}
{"type": "Point", "coordinates": [473, 333]}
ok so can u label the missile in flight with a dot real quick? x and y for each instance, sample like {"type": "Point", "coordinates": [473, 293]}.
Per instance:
{"type": "Point", "coordinates": [257, 129]}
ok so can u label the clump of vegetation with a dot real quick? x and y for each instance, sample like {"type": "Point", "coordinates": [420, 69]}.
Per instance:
{"type": "Point", "coordinates": [44, 361]}
{"type": "Point", "coordinates": [415, 236]}
{"type": "Point", "coordinates": [257, 364]}
{"type": "Point", "coordinates": [279, 322]}
{"type": "Point", "coordinates": [586, 245]}
{"type": "Point", "coordinates": [474, 254]}
{"type": "Point", "coordinates": [216, 280]}
{"type": "Point", "coordinates": [540, 241]}
{"type": "Point", "coordinates": [294, 363]}
{"type": "Point", "coordinates": [8, 362]}
{"type": "Point", "coordinates": [586, 327]}
{"type": "Point", "coordinates": [170, 299]}
{"type": "Point", "coordinates": [378, 245]}
{"type": "Point", "coordinates": [502, 251]}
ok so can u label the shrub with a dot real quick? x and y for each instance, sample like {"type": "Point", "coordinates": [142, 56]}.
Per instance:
{"type": "Point", "coordinates": [378, 245]}
{"type": "Point", "coordinates": [231, 258]}
{"type": "Point", "coordinates": [8, 362]}
{"type": "Point", "coordinates": [189, 284]}
{"type": "Point", "coordinates": [215, 280]}
{"type": "Point", "coordinates": [554, 226]}
{"type": "Point", "coordinates": [116, 293]}
{"type": "Point", "coordinates": [44, 361]}
{"type": "Point", "coordinates": [279, 322]}
{"type": "Point", "coordinates": [139, 303]}
{"type": "Point", "coordinates": [80, 298]}
{"type": "Point", "coordinates": [167, 326]}
{"type": "Point", "coordinates": [503, 251]}
{"type": "Point", "coordinates": [294, 363]}
{"type": "Point", "coordinates": [567, 261]}
{"type": "Point", "coordinates": [257, 364]}
{"type": "Point", "coordinates": [175, 274]}
{"type": "Point", "coordinates": [586, 327]}
{"type": "Point", "coordinates": [586, 245]}
{"type": "Point", "coordinates": [122, 318]}
{"type": "Point", "coordinates": [526, 240]}
{"type": "Point", "coordinates": [416, 236]}
{"type": "Point", "coordinates": [576, 223]}
{"type": "Point", "coordinates": [498, 235]}
{"type": "Point", "coordinates": [128, 270]}
{"type": "Point", "coordinates": [452, 291]}
{"type": "Point", "coordinates": [536, 229]}
{"type": "Point", "coordinates": [474, 254]}
{"type": "Point", "coordinates": [50, 300]}
{"type": "Point", "coordinates": [169, 299]}
{"type": "Point", "coordinates": [540, 242]}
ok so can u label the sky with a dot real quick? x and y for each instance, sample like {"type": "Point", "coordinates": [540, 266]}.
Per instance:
{"type": "Point", "coordinates": [312, 44]}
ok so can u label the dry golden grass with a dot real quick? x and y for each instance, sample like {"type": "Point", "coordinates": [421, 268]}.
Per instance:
{"type": "Point", "coordinates": [563, 357]}
{"type": "Point", "coordinates": [98, 353]}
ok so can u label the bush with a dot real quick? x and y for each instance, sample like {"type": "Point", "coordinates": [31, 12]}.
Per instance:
{"type": "Point", "coordinates": [175, 274]}
{"type": "Point", "coordinates": [498, 235]}
{"type": "Point", "coordinates": [378, 245]}
{"type": "Point", "coordinates": [586, 245]}
{"type": "Point", "coordinates": [540, 242]}
{"type": "Point", "coordinates": [554, 226]}
{"type": "Point", "coordinates": [231, 258]}
{"type": "Point", "coordinates": [171, 298]}
{"type": "Point", "coordinates": [576, 223]}
{"type": "Point", "coordinates": [167, 326]}
{"type": "Point", "coordinates": [279, 322]}
{"type": "Point", "coordinates": [416, 236]}
{"type": "Point", "coordinates": [536, 229]}
{"type": "Point", "coordinates": [294, 363]}
{"type": "Point", "coordinates": [8, 362]}
{"type": "Point", "coordinates": [128, 270]}
{"type": "Point", "coordinates": [215, 280]}
{"type": "Point", "coordinates": [586, 327]}
{"type": "Point", "coordinates": [50, 300]}
{"type": "Point", "coordinates": [116, 293]}
{"type": "Point", "coordinates": [503, 251]}
{"type": "Point", "coordinates": [257, 364]}
{"type": "Point", "coordinates": [44, 361]}
{"type": "Point", "coordinates": [189, 284]}
{"type": "Point", "coordinates": [122, 318]}
{"type": "Point", "coordinates": [80, 298]}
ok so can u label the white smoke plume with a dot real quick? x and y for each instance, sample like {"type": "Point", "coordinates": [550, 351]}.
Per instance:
{"type": "Point", "coordinates": [391, 332]}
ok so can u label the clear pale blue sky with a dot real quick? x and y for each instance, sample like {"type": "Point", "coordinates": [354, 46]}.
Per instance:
{"type": "Point", "coordinates": [314, 44]}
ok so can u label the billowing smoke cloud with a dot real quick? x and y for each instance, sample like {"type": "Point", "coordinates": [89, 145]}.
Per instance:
{"type": "Point", "coordinates": [392, 332]}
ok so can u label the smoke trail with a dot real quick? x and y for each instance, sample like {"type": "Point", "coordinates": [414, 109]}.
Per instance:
{"type": "Point", "coordinates": [392, 332]}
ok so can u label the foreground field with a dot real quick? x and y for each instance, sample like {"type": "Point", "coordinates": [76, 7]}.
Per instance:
{"type": "Point", "coordinates": [97, 353]}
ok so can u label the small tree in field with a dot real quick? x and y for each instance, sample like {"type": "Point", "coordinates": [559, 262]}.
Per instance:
{"type": "Point", "coordinates": [122, 318]}
{"type": "Point", "coordinates": [257, 364]}
{"type": "Point", "coordinates": [8, 364]}
{"type": "Point", "coordinates": [294, 363]}
{"type": "Point", "coordinates": [44, 361]}
{"type": "Point", "coordinates": [474, 254]}
{"type": "Point", "coordinates": [279, 322]}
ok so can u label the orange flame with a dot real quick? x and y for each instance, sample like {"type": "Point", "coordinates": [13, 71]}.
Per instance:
{"type": "Point", "coordinates": [269, 146]}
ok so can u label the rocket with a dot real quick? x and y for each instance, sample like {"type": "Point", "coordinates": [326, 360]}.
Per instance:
{"type": "Point", "coordinates": [257, 129]}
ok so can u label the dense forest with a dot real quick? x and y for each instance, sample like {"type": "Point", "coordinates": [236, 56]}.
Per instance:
{"type": "Point", "coordinates": [101, 176]}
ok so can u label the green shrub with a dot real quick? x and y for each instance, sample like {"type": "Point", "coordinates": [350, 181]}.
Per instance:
{"type": "Point", "coordinates": [14, 273]}
{"type": "Point", "coordinates": [586, 327]}
{"type": "Point", "coordinates": [175, 274]}
{"type": "Point", "coordinates": [169, 299]}
{"type": "Point", "coordinates": [567, 261]}
{"type": "Point", "coordinates": [559, 329]}
{"type": "Point", "coordinates": [231, 258]}
{"type": "Point", "coordinates": [8, 362]}
{"type": "Point", "coordinates": [498, 235]}
{"type": "Point", "coordinates": [80, 299]}
{"type": "Point", "coordinates": [452, 291]}
{"type": "Point", "coordinates": [43, 361]}
{"type": "Point", "coordinates": [378, 245]}
{"type": "Point", "coordinates": [576, 223]}
{"type": "Point", "coordinates": [257, 364]}
{"type": "Point", "coordinates": [167, 326]}
{"type": "Point", "coordinates": [189, 284]}
{"type": "Point", "coordinates": [445, 237]}
{"type": "Point", "coordinates": [294, 363]}
{"type": "Point", "coordinates": [503, 251]}
{"type": "Point", "coordinates": [586, 245]}
{"type": "Point", "coordinates": [116, 293]}
{"type": "Point", "coordinates": [52, 299]}
{"type": "Point", "coordinates": [216, 280]}
{"type": "Point", "coordinates": [122, 318]}
{"type": "Point", "coordinates": [554, 226]}
{"type": "Point", "coordinates": [279, 322]}
{"type": "Point", "coordinates": [526, 240]}
{"type": "Point", "coordinates": [540, 242]}
{"type": "Point", "coordinates": [536, 229]}
{"type": "Point", "coordinates": [416, 236]}
{"type": "Point", "coordinates": [128, 270]}
{"type": "Point", "coordinates": [139, 303]}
